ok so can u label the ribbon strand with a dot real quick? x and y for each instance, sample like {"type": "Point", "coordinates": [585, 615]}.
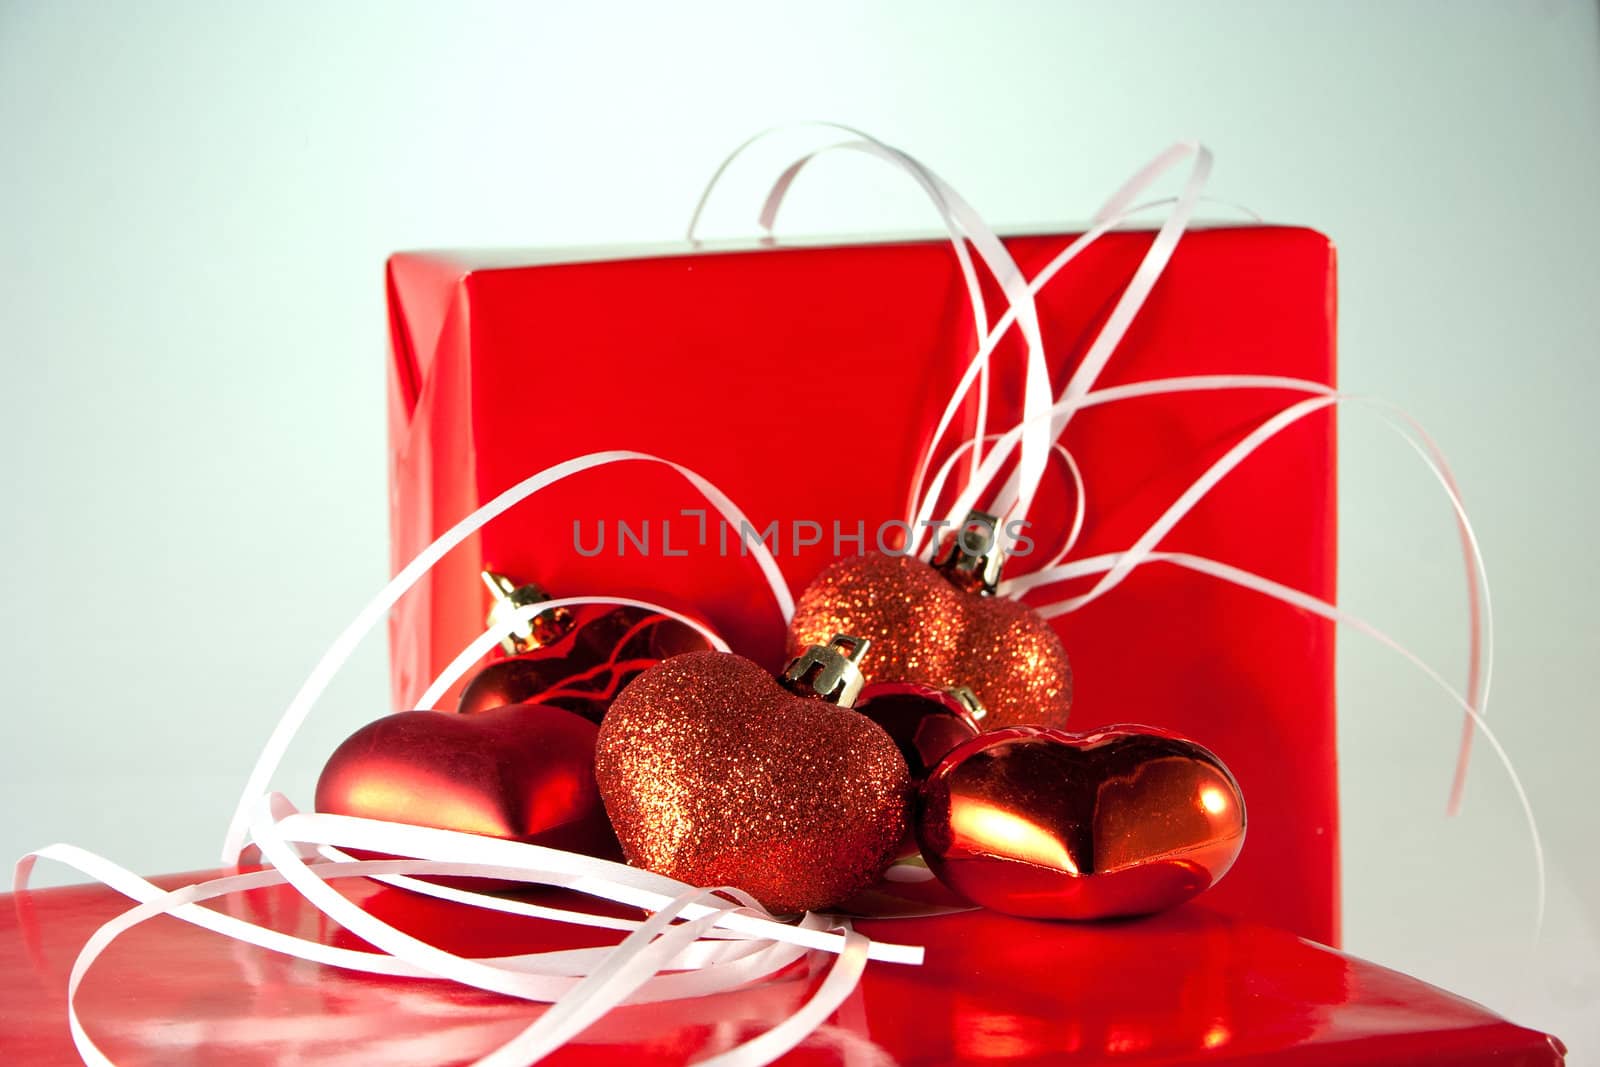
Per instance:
{"type": "Point", "coordinates": [962, 223]}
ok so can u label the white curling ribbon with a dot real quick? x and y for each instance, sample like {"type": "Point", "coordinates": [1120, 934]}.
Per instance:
{"type": "Point", "coordinates": [345, 645]}
{"type": "Point", "coordinates": [1017, 493]}
{"type": "Point", "coordinates": [624, 974]}
{"type": "Point", "coordinates": [1036, 385]}
{"type": "Point", "coordinates": [730, 948]}
{"type": "Point", "coordinates": [962, 223]}
{"type": "Point", "coordinates": [922, 511]}
{"type": "Point", "coordinates": [1479, 602]}
{"type": "Point", "coordinates": [1119, 565]}
{"type": "Point", "coordinates": [924, 501]}
{"type": "Point", "coordinates": [624, 970]}
{"type": "Point", "coordinates": [919, 173]}
{"type": "Point", "coordinates": [568, 962]}
{"type": "Point", "coordinates": [623, 884]}
{"type": "Point", "coordinates": [1080, 492]}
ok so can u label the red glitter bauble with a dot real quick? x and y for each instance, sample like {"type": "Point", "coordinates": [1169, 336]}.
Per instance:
{"type": "Point", "coordinates": [714, 774]}
{"type": "Point", "coordinates": [926, 629]}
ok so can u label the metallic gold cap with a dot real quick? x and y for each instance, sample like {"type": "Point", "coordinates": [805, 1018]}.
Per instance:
{"type": "Point", "coordinates": [977, 572]}
{"type": "Point", "coordinates": [969, 700]}
{"type": "Point", "coordinates": [531, 633]}
{"type": "Point", "coordinates": [830, 671]}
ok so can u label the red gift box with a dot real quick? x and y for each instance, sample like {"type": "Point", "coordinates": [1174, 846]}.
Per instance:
{"type": "Point", "coordinates": [1189, 986]}
{"type": "Point", "coordinates": [805, 382]}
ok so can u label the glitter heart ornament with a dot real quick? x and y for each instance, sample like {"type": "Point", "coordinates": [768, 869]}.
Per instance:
{"type": "Point", "coordinates": [714, 773]}
{"type": "Point", "coordinates": [1127, 820]}
{"type": "Point", "coordinates": [941, 626]}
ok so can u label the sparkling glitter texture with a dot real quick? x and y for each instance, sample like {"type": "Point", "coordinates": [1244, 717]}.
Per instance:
{"type": "Point", "coordinates": [923, 629]}
{"type": "Point", "coordinates": [715, 775]}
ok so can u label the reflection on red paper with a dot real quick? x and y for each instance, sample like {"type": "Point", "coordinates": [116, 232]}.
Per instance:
{"type": "Point", "coordinates": [1184, 986]}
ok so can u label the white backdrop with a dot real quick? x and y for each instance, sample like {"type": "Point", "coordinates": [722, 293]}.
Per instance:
{"type": "Point", "coordinates": [197, 199]}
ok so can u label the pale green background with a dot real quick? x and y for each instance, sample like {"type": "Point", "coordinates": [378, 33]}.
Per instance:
{"type": "Point", "coordinates": [197, 200]}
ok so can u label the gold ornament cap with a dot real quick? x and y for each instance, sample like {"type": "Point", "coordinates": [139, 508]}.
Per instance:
{"type": "Point", "coordinates": [831, 671]}
{"type": "Point", "coordinates": [969, 702]}
{"type": "Point", "coordinates": [971, 564]}
{"type": "Point", "coordinates": [531, 633]}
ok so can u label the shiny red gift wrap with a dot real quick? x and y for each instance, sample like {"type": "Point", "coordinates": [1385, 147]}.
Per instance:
{"type": "Point", "coordinates": [806, 381]}
{"type": "Point", "coordinates": [1192, 985]}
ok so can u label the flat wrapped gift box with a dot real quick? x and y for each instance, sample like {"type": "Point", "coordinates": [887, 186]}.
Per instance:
{"type": "Point", "coordinates": [806, 382]}
{"type": "Point", "coordinates": [1189, 986]}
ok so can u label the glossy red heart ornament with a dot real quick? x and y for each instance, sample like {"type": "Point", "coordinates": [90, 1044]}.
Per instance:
{"type": "Point", "coordinates": [585, 660]}
{"type": "Point", "coordinates": [1123, 821]}
{"type": "Point", "coordinates": [924, 722]}
{"type": "Point", "coordinates": [925, 628]}
{"type": "Point", "coordinates": [715, 774]}
{"type": "Point", "coordinates": [521, 772]}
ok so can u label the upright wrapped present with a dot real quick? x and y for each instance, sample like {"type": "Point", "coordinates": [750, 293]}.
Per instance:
{"type": "Point", "coordinates": [806, 380]}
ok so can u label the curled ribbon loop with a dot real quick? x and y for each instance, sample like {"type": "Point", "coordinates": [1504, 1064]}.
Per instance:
{"type": "Point", "coordinates": [1015, 496]}
{"type": "Point", "coordinates": [962, 224]}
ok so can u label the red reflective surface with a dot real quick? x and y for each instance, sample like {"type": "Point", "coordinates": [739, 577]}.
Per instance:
{"type": "Point", "coordinates": [1189, 986]}
{"type": "Point", "coordinates": [926, 723]}
{"type": "Point", "coordinates": [524, 772]}
{"type": "Point", "coordinates": [1052, 825]}
{"type": "Point", "coordinates": [582, 670]}
{"type": "Point", "coordinates": [805, 381]}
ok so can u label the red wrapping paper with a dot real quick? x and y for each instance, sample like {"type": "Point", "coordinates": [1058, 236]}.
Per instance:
{"type": "Point", "coordinates": [806, 381]}
{"type": "Point", "coordinates": [1191, 986]}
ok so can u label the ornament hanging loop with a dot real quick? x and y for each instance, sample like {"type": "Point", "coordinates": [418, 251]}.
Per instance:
{"type": "Point", "coordinates": [831, 671]}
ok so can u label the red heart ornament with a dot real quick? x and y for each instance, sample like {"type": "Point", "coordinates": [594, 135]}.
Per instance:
{"type": "Point", "coordinates": [925, 628]}
{"type": "Point", "coordinates": [576, 658]}
{"type": "Point", "coordinates": [1042, 823]}
{"type": "Point", "coordinates": [926, 723]}
{"type": "Point", "coordinates": [521, 772]}
{"type": "Point", "coordinates": [714, 774]}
